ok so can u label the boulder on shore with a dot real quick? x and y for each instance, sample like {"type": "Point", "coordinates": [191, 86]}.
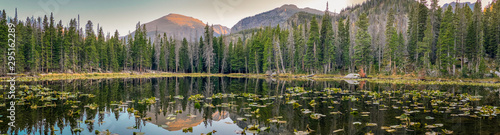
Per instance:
{"type": "Point", "coordinates": [352, 76]}
{"type": "Point", "coordinates": [497, 73]}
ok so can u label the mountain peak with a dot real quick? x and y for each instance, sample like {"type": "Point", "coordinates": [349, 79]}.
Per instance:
{"type": "Point", "coordinates": [180, 26]}
{"type": "Point", "coordinates": [289, 6]}
{"type": "Point", "coordinates": [453, 4]}
{"type": "Point", "coordinates": [272, 17]}
{"type": "Point", "coordinates": [182, 20]}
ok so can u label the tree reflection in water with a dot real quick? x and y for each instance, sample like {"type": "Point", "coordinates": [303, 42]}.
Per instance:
{"type": "Point", "coordinates": [162, 106]}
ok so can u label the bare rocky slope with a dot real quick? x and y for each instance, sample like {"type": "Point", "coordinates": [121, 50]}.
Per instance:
{"type": "Point", "coordinates": [180, 26]}
{"type": "Point", "coordinates": [272, 18]}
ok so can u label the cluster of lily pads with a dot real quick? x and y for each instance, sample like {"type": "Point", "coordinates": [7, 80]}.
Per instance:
{"type": "Point", "coordinates": [37, 96]}
{"type": "Point", "coordinates": [410, 104]}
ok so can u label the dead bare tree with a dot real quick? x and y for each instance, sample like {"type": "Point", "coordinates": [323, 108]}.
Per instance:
{"type": "Point", "coordinates": [157, 48]}
{"type": "Point", "coordinates": [177, 59]}
{"type": "Point", "coordinates": [208, 51]}
{"type": "Point", "coordinates": [224, 56]}
{"type": "Point", "coordinates": [277, 50]}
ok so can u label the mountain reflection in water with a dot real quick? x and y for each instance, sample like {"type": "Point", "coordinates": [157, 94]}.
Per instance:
{"type": "Point", "coordinates": [229, 105]}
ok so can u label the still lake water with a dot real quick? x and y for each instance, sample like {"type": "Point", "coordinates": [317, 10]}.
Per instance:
{"type": "Point", "coordinates": [229, 105]}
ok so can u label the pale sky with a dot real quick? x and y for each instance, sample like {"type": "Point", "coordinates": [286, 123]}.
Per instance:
{"type": "Point", "coordinates": [123, 15]}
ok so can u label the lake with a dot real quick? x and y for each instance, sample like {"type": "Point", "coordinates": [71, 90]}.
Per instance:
{"type": "Point", "coordinates": [225, 106]}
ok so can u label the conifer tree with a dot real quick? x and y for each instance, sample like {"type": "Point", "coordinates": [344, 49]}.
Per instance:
{"type": "Point", "coordinates": [363, 40]}
{"type": "Point", "coordinates": [326, 54]}
{"type": "Point", "coordinates": [312, 45]}
{"type": "Point", "coordinates": [183, 56]}
{"type": "Point", "coordinates": [445, 41]}
{"type": "Point", "coordinates": [91, 54]}
{"type": "Point", "coordinates": [344, 41]}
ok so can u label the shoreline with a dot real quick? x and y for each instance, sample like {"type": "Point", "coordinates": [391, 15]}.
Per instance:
{"type": "Point", "coordinates": [393, 79]}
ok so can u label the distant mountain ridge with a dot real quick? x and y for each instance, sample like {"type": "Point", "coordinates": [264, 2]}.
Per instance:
{"type": "Point", "coordinates": [453, 4]}
{"type": "Point", "coordinates": [180, 26]}
{"type": "Point", "coordinates": [272, 18]}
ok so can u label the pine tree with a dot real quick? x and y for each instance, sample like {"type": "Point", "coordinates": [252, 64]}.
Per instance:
{"type": "Point", "coordinates": [163, 54]}
{"type": "Point", "coordinates": [391, 39]}
{"type": "Point", "coordinates": [422, 19]}
{"type": "Point", "coordinates": [489, 34]}
{"type": "Point", "coordinates": [20, 44]}
{"type": "Point", "coordinates": [66, 52]}
{"type": "Point", "coordinates": [113, 53]}
{"type": "Point", "coordinates": [237, 60]}
{"type": "Point", "coordinates": [72, 37]}
{"type": "Point", "coordinates": [471, 46]}
{"type": "Point", "coordinates": [216, 54]}
{"type": "Point", "coordinates": [45, 41]}
{"type": "Point", "coordinates": [50, 40]}
{"type": "Point", "coordinates": [91, 54]}
{"type": "Point", "coordinates": [435, 15]}
{"type": "Point", "coordinates": [412, 30]}
{"type": "Point", "coordinates": [312, 45]}
{"type": "Point", "coordinates": [171, 57]}
{"type": "Point", "coordinates": [34, 54]}
{"type": "Point", "coordinates": [267, 64]}
{"type": "Point", "coordinates": [326, 54]}
{"type": "Point", "coordinates": [363, 40]}
{"type": "Point", "coordinates": [291, 49]}
{"type": "Point", "coordinates": [299, 48]}
{"type": "Point", "coordinates": [183, 56]}
{"type": "Point", "coordinates": [393, 51]}
{"type": "Point", "coordinates": [495, 24]}
{"type": "Point", "coordinates": [421, 27]}
{"type": "Point", "coordinates": [445, 41]}
{"type": "Point", "coordinates": [424, 46]}
{"type": "Point", "coordinates": [102, 50]}
{"type": "Point", "coordinates": [345, 41]}
{"type": "Point", "coordinates": [3, 40]}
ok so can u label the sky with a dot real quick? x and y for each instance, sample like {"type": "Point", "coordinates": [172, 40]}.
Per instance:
{"type": "Point", "coordinates": [123, 15]}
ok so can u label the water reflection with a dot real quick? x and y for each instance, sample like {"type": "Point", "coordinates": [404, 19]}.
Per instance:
{"type": "Point", "coordinates": [173, 112]}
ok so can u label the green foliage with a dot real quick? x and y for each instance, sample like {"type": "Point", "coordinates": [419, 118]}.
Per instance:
{"type": "Point", "coordinates": [183, 57]}
{"type": "Point", "coordinates": [237, 59]}
{"type": "Point", "coordinates": [435, 40]}
{"type": "Point", "coordinates": [91, 54]}
{"type": "Point", "coordinates": [326, 55]}
{"type": "Point", "coordinates": [363, 41]}
{"type": "Point", "coordinates": [446, 41]}
{"type": "Point", "coordinates": [312, 51]}
{"type": "Point", "coordinates": [3, 38]}
{"type": "Point", "coordinates": [424, 49]}
{"type": "Point", "coordinates": [344, 40]}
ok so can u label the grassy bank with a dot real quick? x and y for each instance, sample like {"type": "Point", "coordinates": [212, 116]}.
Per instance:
{"type": "Point", "coordinates": [394, 79]}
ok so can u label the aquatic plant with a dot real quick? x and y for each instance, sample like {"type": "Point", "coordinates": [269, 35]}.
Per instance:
{"type": "Point", "coordinates": [312, 103]}
{"type": "Point", "coordinates": [92, 106]}
{"type": "Point", "coordinates": [296, 105]}
{"type": "Point", "coordinates": [196, 97]}
{"type": "Point", "coordinates": [186, 130]}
